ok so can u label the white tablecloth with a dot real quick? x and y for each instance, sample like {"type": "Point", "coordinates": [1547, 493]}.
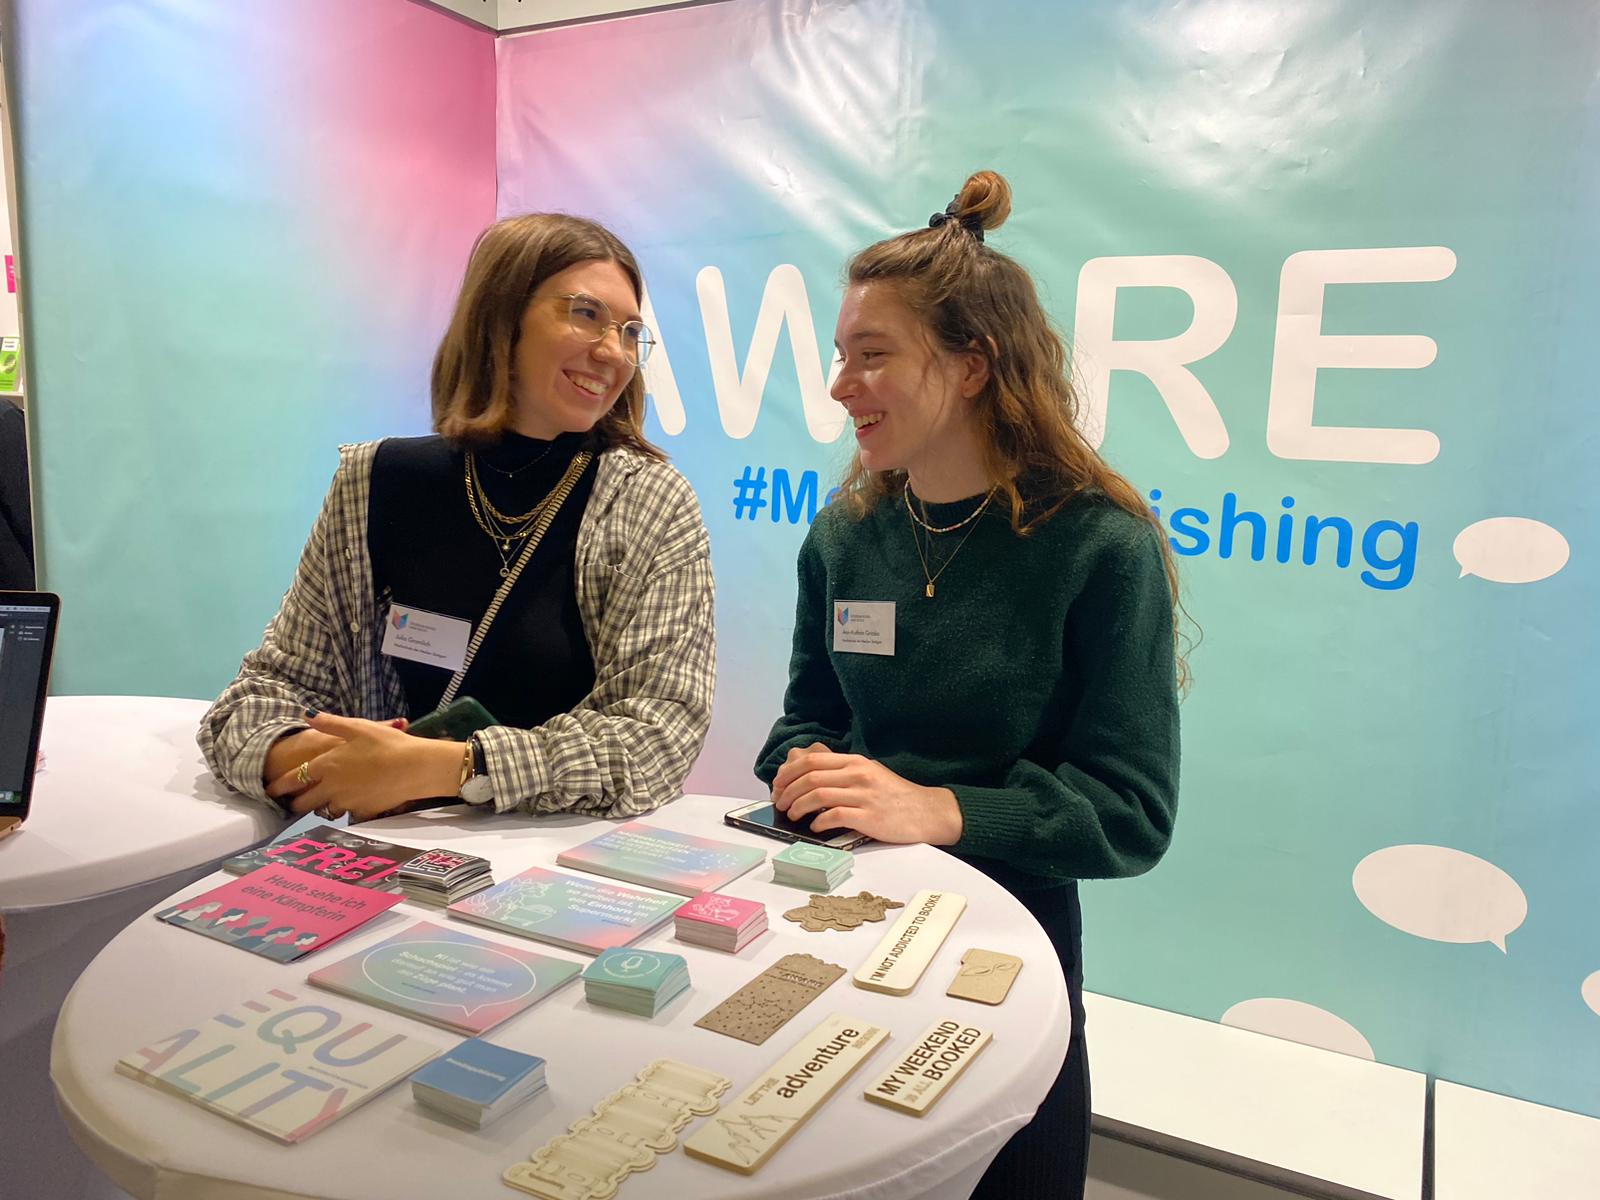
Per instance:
{"type": "Point", "coordinates": [121, 798]}
{"type": "Point", "coordinates": [124, 811]}
{"type": "Point", "coordinates": [154, 977]}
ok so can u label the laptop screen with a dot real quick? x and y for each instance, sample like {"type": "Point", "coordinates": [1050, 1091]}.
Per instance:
{"type": "Point", "coordinates": [26, 629]}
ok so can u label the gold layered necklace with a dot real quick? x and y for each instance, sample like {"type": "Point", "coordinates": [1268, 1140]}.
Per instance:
{"type": "Point", "coordinates": [932, 576]}
{"type": "Point", "coordinates": [509, 531]}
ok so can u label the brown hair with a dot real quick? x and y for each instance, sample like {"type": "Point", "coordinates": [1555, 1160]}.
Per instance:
{"type": "Point", "coordinates": [972, 298]}
{"type": "Point", "coordinates": [472, 396]}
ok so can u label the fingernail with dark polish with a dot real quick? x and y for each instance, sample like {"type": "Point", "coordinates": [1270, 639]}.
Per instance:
{"type": "Point", "coordinates": [311, 712]}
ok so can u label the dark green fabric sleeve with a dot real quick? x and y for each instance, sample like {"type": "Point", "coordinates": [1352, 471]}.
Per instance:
{"type": "Point", "coordinates": [1101, 800]}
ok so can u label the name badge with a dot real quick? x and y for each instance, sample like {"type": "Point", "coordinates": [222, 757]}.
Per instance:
{"type": "Point", "coordinates": [421, 636]}
{"type": "Point", "coordinates": [863, 626]}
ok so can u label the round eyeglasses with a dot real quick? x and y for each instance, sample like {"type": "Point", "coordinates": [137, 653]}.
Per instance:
{"type": "Point", "coordinates": [591, 320]}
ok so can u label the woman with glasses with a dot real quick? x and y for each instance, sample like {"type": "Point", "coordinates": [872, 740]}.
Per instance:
{"type": "Point", "coordinates": [537, 538]}
{"type": "Point", "coordinates": [1026, 714]}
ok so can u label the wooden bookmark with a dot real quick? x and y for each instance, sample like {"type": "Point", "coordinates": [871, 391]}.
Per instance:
{"type": "Point", "coordinates": [906, 950]}
{"type": "Point", "coordinates": [985, 976]}
{"type": "Point", "coordinates": [748, 1130]}
{"type": "Point", "coordinates": [934, 1062]}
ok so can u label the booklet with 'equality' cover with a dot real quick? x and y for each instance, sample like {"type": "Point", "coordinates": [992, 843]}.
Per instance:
{"type": "Point", "coordinates": [280, 1064]}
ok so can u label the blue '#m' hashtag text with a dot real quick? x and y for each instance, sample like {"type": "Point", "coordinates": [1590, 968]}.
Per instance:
{"type": "Point", "coordinates": [749, 493]}
{"type": "Point", "coordinates": [795, 498]}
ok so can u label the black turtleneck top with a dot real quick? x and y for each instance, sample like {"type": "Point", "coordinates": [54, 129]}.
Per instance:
{"type": "Point", "coordinates": [428, 552]}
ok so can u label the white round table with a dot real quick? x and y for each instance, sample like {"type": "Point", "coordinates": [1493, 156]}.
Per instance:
{"type": "Point", "coordinates": [154, 977]}
{"type": "Point", "coordinates": [124, 811]}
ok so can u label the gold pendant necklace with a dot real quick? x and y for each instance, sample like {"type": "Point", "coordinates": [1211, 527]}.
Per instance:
{"type": "Point", "coordinates": [932, 576]}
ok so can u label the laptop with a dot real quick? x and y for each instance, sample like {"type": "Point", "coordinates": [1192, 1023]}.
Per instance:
{"type": "Point", "coordinates": [27, 636]}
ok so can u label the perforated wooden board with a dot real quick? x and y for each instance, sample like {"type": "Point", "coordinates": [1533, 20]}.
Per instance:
{"type": "Point", "coordinates": [761, 1007]}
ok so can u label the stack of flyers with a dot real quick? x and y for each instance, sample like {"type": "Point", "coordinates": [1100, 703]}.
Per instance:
{"type": "Point", "coordinates": [330, 851]}
{"type": "Point", "coordinates": [478, 1082]}
{"type": "Point", "coordinates": [721, 922]}
{"type": "Point", "coordinates": [440, 877]}
{"type": "Point", "coordinates": [636, 981]}
{"type": "Point", "coordinates": [815, 868]}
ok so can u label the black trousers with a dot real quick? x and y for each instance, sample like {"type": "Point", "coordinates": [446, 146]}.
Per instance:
{"type": "Point", "coordinates": [1048, 1159]}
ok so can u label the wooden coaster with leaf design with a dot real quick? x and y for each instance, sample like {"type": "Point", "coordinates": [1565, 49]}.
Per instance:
{"type": "Point", "coordinates": [841, 912]}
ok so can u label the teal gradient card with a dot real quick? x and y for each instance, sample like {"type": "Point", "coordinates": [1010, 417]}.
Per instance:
{"type": "Point", "coordinates": [663, 858]}
{"type": "Point", "coordinates": [566, 910]}
{"type": "Point", "coordinates": [447, 977]}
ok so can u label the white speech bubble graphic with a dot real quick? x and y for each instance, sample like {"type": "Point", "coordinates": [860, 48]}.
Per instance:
{"type": "Point", "coordinates": [1591, 992]}
{"type": "Point", "coordinates": [1297, 1021]}
{"type": "Point", "coordinates": [1511, 550]}
{"type": "Point", "coordinates": [518, 976]}
{"type": "Point", "coordinates": [1440, 894]}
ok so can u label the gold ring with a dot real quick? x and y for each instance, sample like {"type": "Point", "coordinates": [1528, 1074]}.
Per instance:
{"type": "Point", "coordinates": [303, 775]}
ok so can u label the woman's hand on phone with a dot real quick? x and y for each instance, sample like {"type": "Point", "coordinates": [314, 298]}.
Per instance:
{"type": "Point", "coordinates": [851, 791]}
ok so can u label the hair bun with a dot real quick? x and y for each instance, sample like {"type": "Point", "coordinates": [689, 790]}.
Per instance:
{"type": "Point", "coordinates": [985, 198]}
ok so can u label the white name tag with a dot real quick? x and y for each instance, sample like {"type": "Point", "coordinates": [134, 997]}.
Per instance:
{"type": "Point", "coordinates": [863, 626]}
{"type": "Point", "coordinates": [425, 637]}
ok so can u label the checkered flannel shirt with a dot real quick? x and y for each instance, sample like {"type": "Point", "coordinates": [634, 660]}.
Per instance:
{"type": "Point", "coordinates": [643, 582]}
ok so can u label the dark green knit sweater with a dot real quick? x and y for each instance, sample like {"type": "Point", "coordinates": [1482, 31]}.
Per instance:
{"type": "Point", "coordinates": [1037, 684]}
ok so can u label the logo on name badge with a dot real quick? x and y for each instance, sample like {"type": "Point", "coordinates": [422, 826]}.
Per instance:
{"type": "Point", "coordinates": [420, 636]}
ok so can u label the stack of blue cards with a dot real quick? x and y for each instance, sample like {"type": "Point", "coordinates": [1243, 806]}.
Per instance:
{"type": "Point", "coordinates": [815, 868]}
{"type": "Point", "coordinates": [478, 1082]}
{"type": "Point", "coordinates": [636, 981]}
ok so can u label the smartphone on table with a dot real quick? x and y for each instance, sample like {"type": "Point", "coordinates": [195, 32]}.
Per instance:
{"type": "Point", "coordinates": [763, 818]}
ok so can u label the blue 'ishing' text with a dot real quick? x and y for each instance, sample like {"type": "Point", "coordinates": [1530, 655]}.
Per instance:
{"type": "Point", "coordinates": [1388, 548]}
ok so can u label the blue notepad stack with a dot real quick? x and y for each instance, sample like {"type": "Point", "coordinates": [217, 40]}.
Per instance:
{"type": "Point", "coordinates": [477, 1082]}
{"type": "Point", "coordinates": [636, 981]}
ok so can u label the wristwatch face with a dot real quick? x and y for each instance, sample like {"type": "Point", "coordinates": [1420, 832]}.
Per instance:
{"type": "Point", "coordinates": [477, 790]}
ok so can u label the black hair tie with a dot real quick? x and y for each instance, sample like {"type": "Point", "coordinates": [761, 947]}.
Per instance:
{"type": "Point", "coordinates": [972, 223]}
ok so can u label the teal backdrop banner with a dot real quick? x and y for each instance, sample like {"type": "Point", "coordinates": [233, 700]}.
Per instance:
{"type": "Point", "coordinates": [242, 229]}
{"type": "Point", "coordinates": [1328, 271]}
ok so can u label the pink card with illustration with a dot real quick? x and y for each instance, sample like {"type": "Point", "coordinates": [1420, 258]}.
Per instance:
{"type": "Point", "coordinates": [726, 912]}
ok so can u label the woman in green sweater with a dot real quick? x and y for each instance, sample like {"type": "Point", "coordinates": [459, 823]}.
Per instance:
{"type": "Point", "coordinates": [1018, 703]}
